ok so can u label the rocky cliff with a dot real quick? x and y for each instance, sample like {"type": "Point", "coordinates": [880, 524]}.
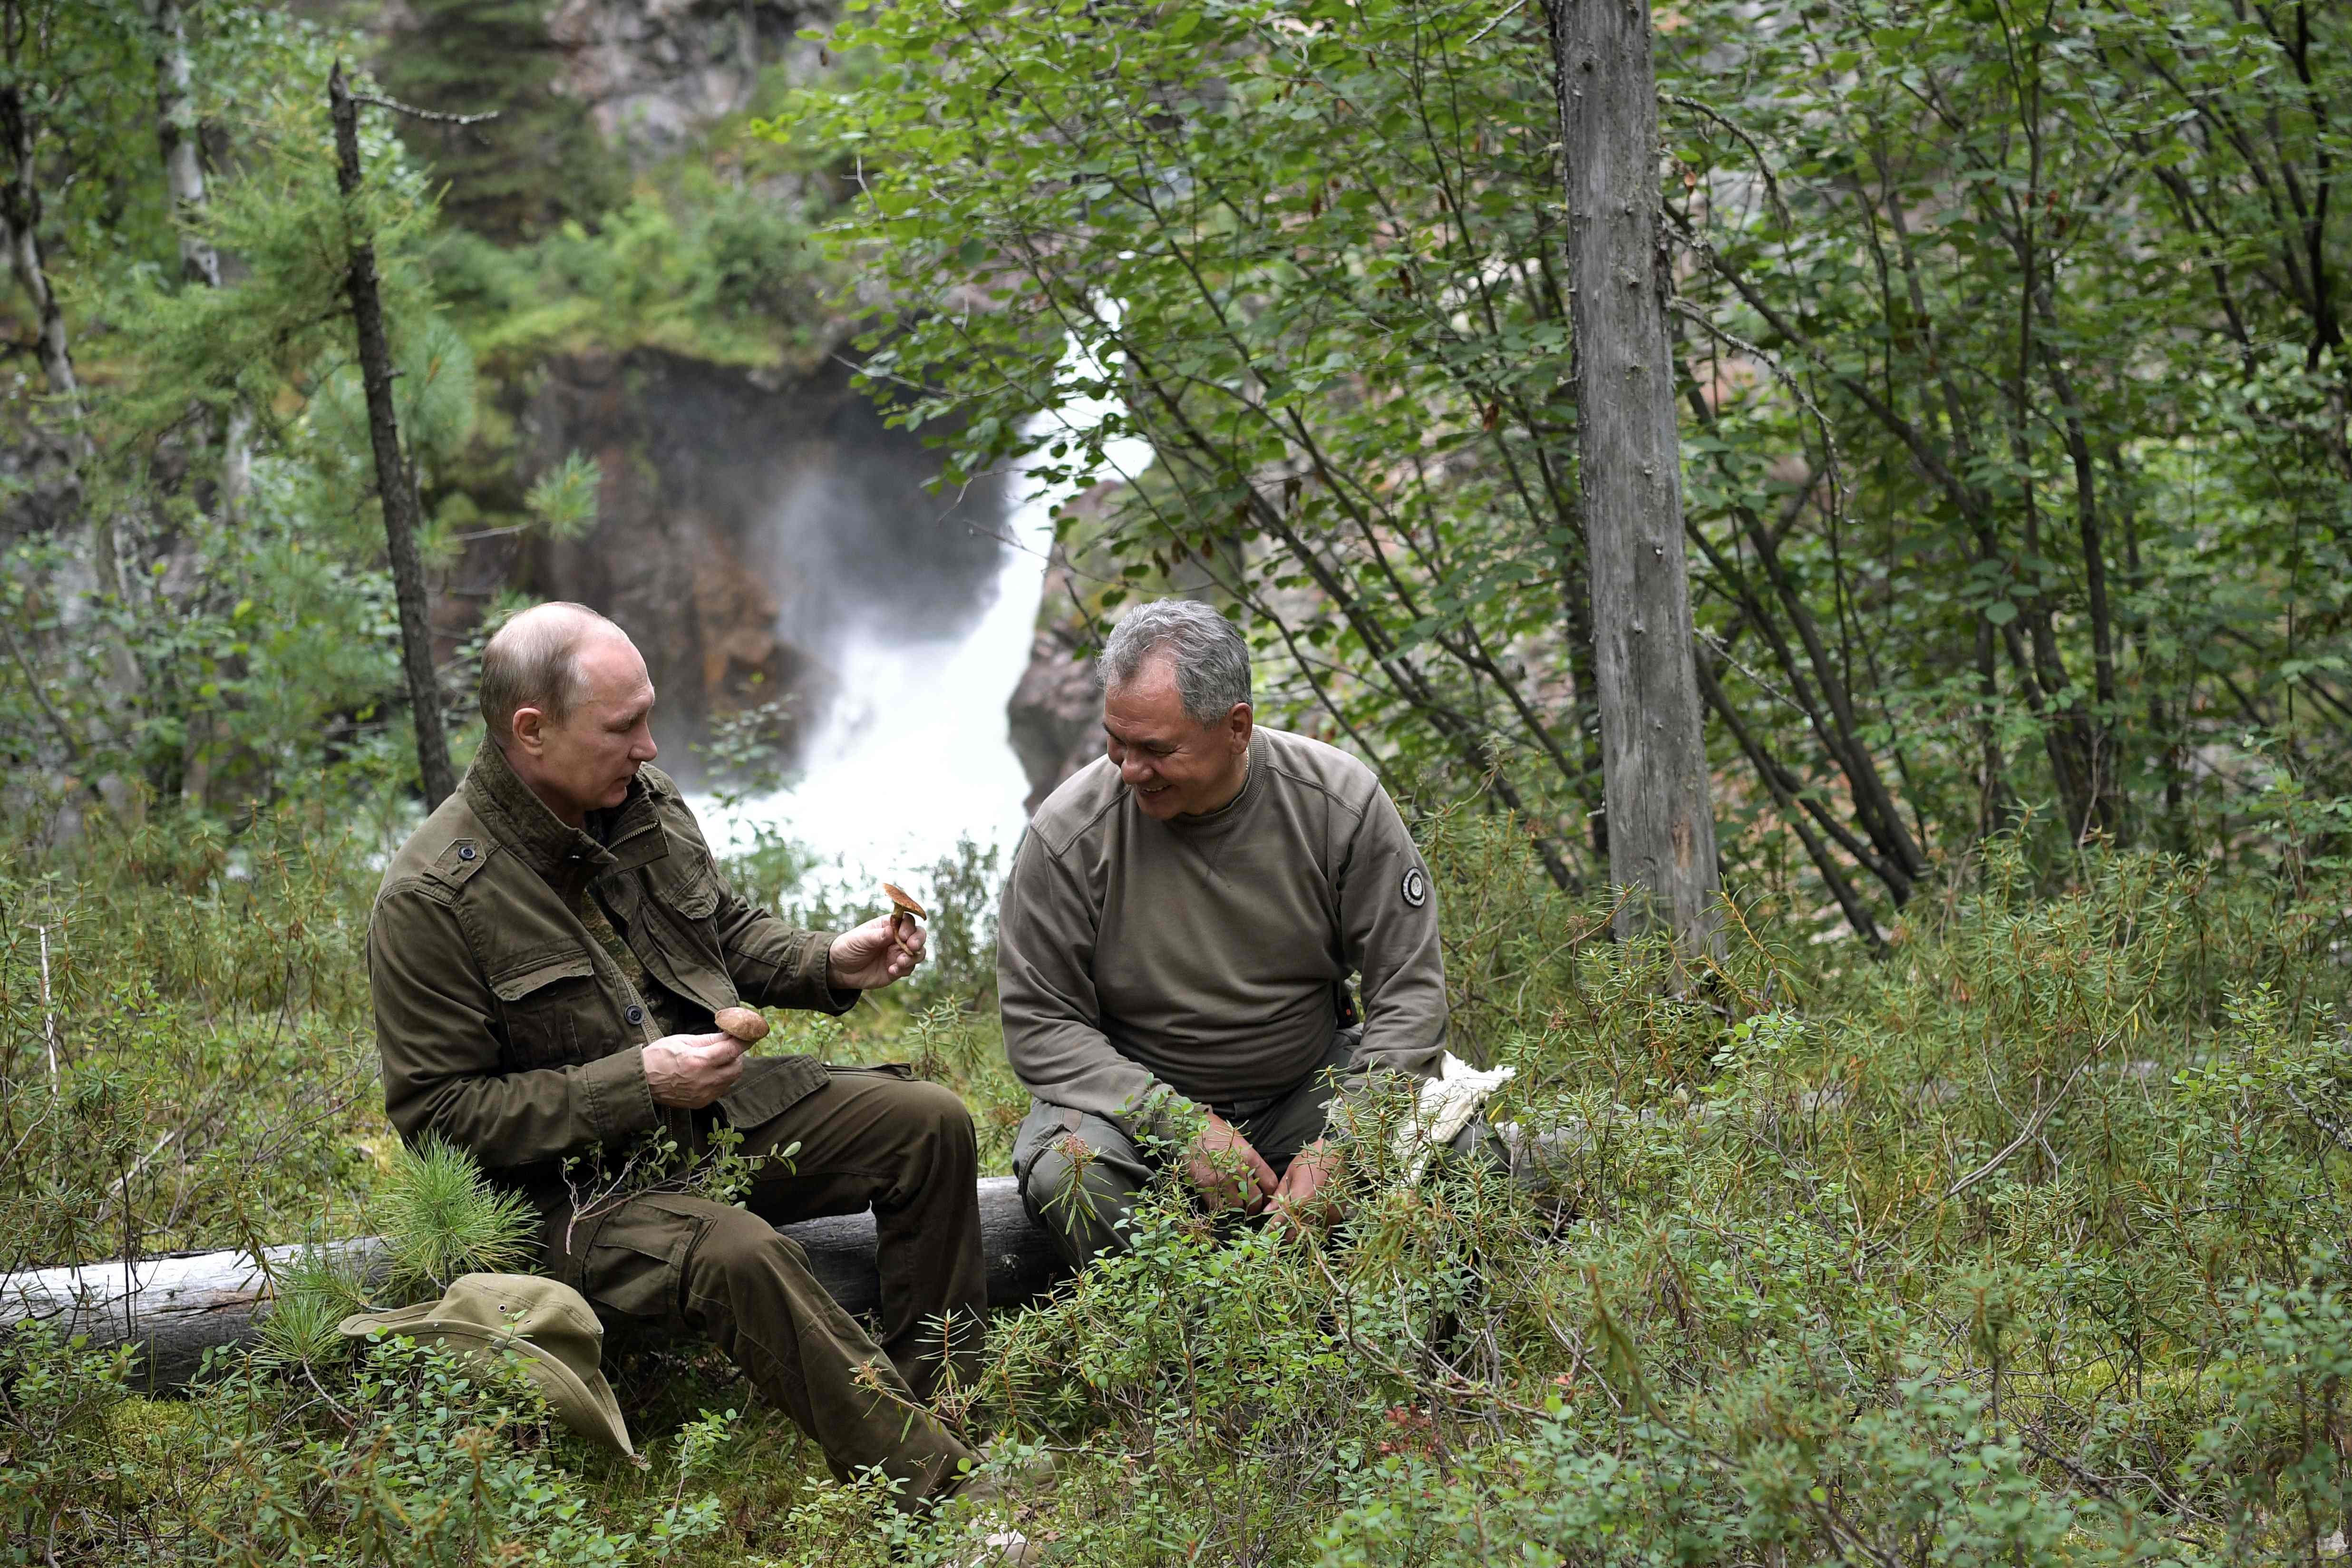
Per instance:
{"type": "Point", "coordinates": [746, 522]}
{"type": "Point", "coordinates": [1054, 715]}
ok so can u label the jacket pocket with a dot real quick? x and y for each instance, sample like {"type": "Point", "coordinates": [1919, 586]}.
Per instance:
{"type": "Point", "coordinates": [540, 1002]}
{"type": "Point", "coordinates": [685, 882]}
{"type": "Point", "coordinates": [769, 1086]}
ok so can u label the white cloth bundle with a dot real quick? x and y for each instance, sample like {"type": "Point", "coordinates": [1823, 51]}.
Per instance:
{"type": "Point", "coordinates": [1443, 1107]}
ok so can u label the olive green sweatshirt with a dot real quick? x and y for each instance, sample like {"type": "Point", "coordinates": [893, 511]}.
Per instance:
{"type": "Point", "coordinates": [1141, 960]}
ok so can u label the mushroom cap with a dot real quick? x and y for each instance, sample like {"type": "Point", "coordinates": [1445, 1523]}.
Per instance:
{"type": "Point", "coordinates": [744, 1023]}
{"type": "Point", "coordinates": [899, 896]}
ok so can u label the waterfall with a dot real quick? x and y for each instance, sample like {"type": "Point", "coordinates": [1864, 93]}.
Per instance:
{"type": "Point", "coordinates": [914, 755]}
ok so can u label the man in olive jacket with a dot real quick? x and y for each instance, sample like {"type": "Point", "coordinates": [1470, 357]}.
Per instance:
{"type": "Point", "coordinates": [545, 957]}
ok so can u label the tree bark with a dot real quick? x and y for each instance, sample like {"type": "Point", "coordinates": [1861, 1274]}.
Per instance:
{"type": "Point", "coordinates": [20, 209]}
{"type": "Point", "coordinates": [1653, 735]}
{"type": "Point", "coordinates": [183, 177]}
{"type": "Point", "coordinates": [393, 488]}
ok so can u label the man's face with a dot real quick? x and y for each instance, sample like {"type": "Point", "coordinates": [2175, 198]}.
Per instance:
{"type": "Point", "coordinates": [1173, 766]}
{"type": "Point", "coordinates": [583, 761]}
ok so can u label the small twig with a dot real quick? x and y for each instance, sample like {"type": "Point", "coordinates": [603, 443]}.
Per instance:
{"type": "Point", "coordinates": [2336, 1135]}
{"type": "Point", "coordinates": [1763, 165]}
{"type": "Point", "coordinates": [1507, 15]}
{"type": "Point", "coordinates": [2033, 1129]}
{"type": "Point", "coordinates": [66, 736]}
{"type": "Point", "coordinates": [48, 1014]}
{"type": "Point", "coordinates": [436, 116]}
{"type": "Point", "coordinates": [2023, 1138]}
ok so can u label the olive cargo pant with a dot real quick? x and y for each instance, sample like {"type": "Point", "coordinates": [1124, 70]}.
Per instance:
{"type": "Point", "coordinates": [868, 1137]}
{"type": "Point", "coordinates": [1080, 1201]}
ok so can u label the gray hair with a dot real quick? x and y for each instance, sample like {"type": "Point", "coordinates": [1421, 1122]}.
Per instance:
{"type": "Point", "coordinates": [533, 661]}
{"type": "Point", "coordinates": [1211, 661]}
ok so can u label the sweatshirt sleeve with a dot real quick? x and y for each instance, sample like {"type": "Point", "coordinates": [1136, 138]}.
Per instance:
{"type": "Point", "coordinates": [1045, 928]}
{"type": "Point", "coordinates": [1388, 920]}
{"type": "Point", "coordinates": [441, 1064]}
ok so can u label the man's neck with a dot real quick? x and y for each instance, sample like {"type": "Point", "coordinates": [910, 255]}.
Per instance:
{"type": "Point", "coordinates": [563, 810]}
{"type": "Point", "coordinates": [1227, 797]}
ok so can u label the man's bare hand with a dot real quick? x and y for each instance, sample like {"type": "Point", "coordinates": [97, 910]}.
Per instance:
{"type": "Point", "coordinates": [690, 1071]}
{"type": "Point", "coordinates": [1226, 1170]}
{"type": "Point", "coordinates": [882, 950]}
{"type": "Point", "coordinates": [1304, 1201]}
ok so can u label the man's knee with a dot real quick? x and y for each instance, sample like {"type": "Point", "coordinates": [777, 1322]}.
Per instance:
{"type": "Point", "coordinates": [1078, 1196]}
{"type": "Point", "coordinates": [935, 1111]}
{"type": "Point", "coordinates": [739, 1254]}
{"type": "Point", "coordinates": [924, 1118]}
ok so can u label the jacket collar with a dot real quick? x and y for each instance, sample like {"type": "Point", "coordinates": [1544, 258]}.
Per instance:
{"type": "Point", "coordinates": [626, 837]}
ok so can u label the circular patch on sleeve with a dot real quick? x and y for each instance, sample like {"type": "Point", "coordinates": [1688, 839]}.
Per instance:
{"type": "Point", "coordinates": [1416, 887]}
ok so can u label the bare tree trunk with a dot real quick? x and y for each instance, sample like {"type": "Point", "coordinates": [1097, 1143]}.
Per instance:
{"type": "Point", "coordinates": [184, 175]}
{"type": "Point", "coordinates": [1653, 730]}
{"type": "Point", "coordinates": [393, 488]}
{"type": "Point", "coordinates": [20, 207]}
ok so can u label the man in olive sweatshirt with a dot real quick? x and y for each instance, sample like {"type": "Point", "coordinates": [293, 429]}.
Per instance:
{"type": "Point", "coordinates": [1175, 938]}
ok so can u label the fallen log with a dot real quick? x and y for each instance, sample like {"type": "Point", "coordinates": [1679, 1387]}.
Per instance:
{"type": "Point", "coordinates": [176, 1308]}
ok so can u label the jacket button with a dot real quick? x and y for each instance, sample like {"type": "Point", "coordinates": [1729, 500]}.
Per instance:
{"type": "Point", "coordinates": [465, 852]}
{"type": "Point", "coordinates": [636, 1014]}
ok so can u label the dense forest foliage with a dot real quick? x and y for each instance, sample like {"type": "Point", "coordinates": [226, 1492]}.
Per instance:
{"type": "Point", "coordinates": [1987, 1203]}
{"type": "Point", "coordinates": [2010, 340]}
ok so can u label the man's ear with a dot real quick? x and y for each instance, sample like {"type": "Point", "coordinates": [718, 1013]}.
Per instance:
{"type": "Point", "coordinates": [1239, 723]}
{"type": "Point", "coordinates": [527, 728]}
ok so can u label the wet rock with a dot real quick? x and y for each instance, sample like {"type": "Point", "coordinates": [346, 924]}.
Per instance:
{"type": "Point", "coordinates": [1056, 712]}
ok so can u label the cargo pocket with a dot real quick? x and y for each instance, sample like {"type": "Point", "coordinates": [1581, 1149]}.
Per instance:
{"type": "Point", "coordinates": [635, 1262]}
{"type": "Point", "coordinates": [539, 1002]}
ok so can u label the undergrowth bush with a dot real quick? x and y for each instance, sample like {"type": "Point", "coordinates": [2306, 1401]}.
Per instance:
{"type": "Point", "coordinates": [2025, 1243]}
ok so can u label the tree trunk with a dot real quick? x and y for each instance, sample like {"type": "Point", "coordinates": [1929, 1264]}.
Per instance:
{"type": "Point", "coordinates": [1653, 735]}
{"type": "Point", "coordinates": [183, 177]}
{"type": "Point", "coordinates": [393, 488]}
{"type": "Point", "coordinates": [177, 1308]}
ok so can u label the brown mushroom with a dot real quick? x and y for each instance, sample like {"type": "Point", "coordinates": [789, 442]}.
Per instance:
{"type": "Point", "coordinates": [904, 909]}
{"type": "Point", "coordinates": [744, 1022]}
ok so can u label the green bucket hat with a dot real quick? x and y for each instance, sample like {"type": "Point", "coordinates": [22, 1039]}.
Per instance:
{"type": "Point", "coordinates": [547, 1323]}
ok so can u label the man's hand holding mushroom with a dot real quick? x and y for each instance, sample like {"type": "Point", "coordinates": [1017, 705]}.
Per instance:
{"type": "Point", "coordinates": [883, 950]}
{"type": "Point", "coordinates": [691, 1071]}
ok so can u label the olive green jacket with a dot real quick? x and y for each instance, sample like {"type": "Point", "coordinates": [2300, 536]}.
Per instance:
{"type": "Point", "coordinates": [510, 1032]}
